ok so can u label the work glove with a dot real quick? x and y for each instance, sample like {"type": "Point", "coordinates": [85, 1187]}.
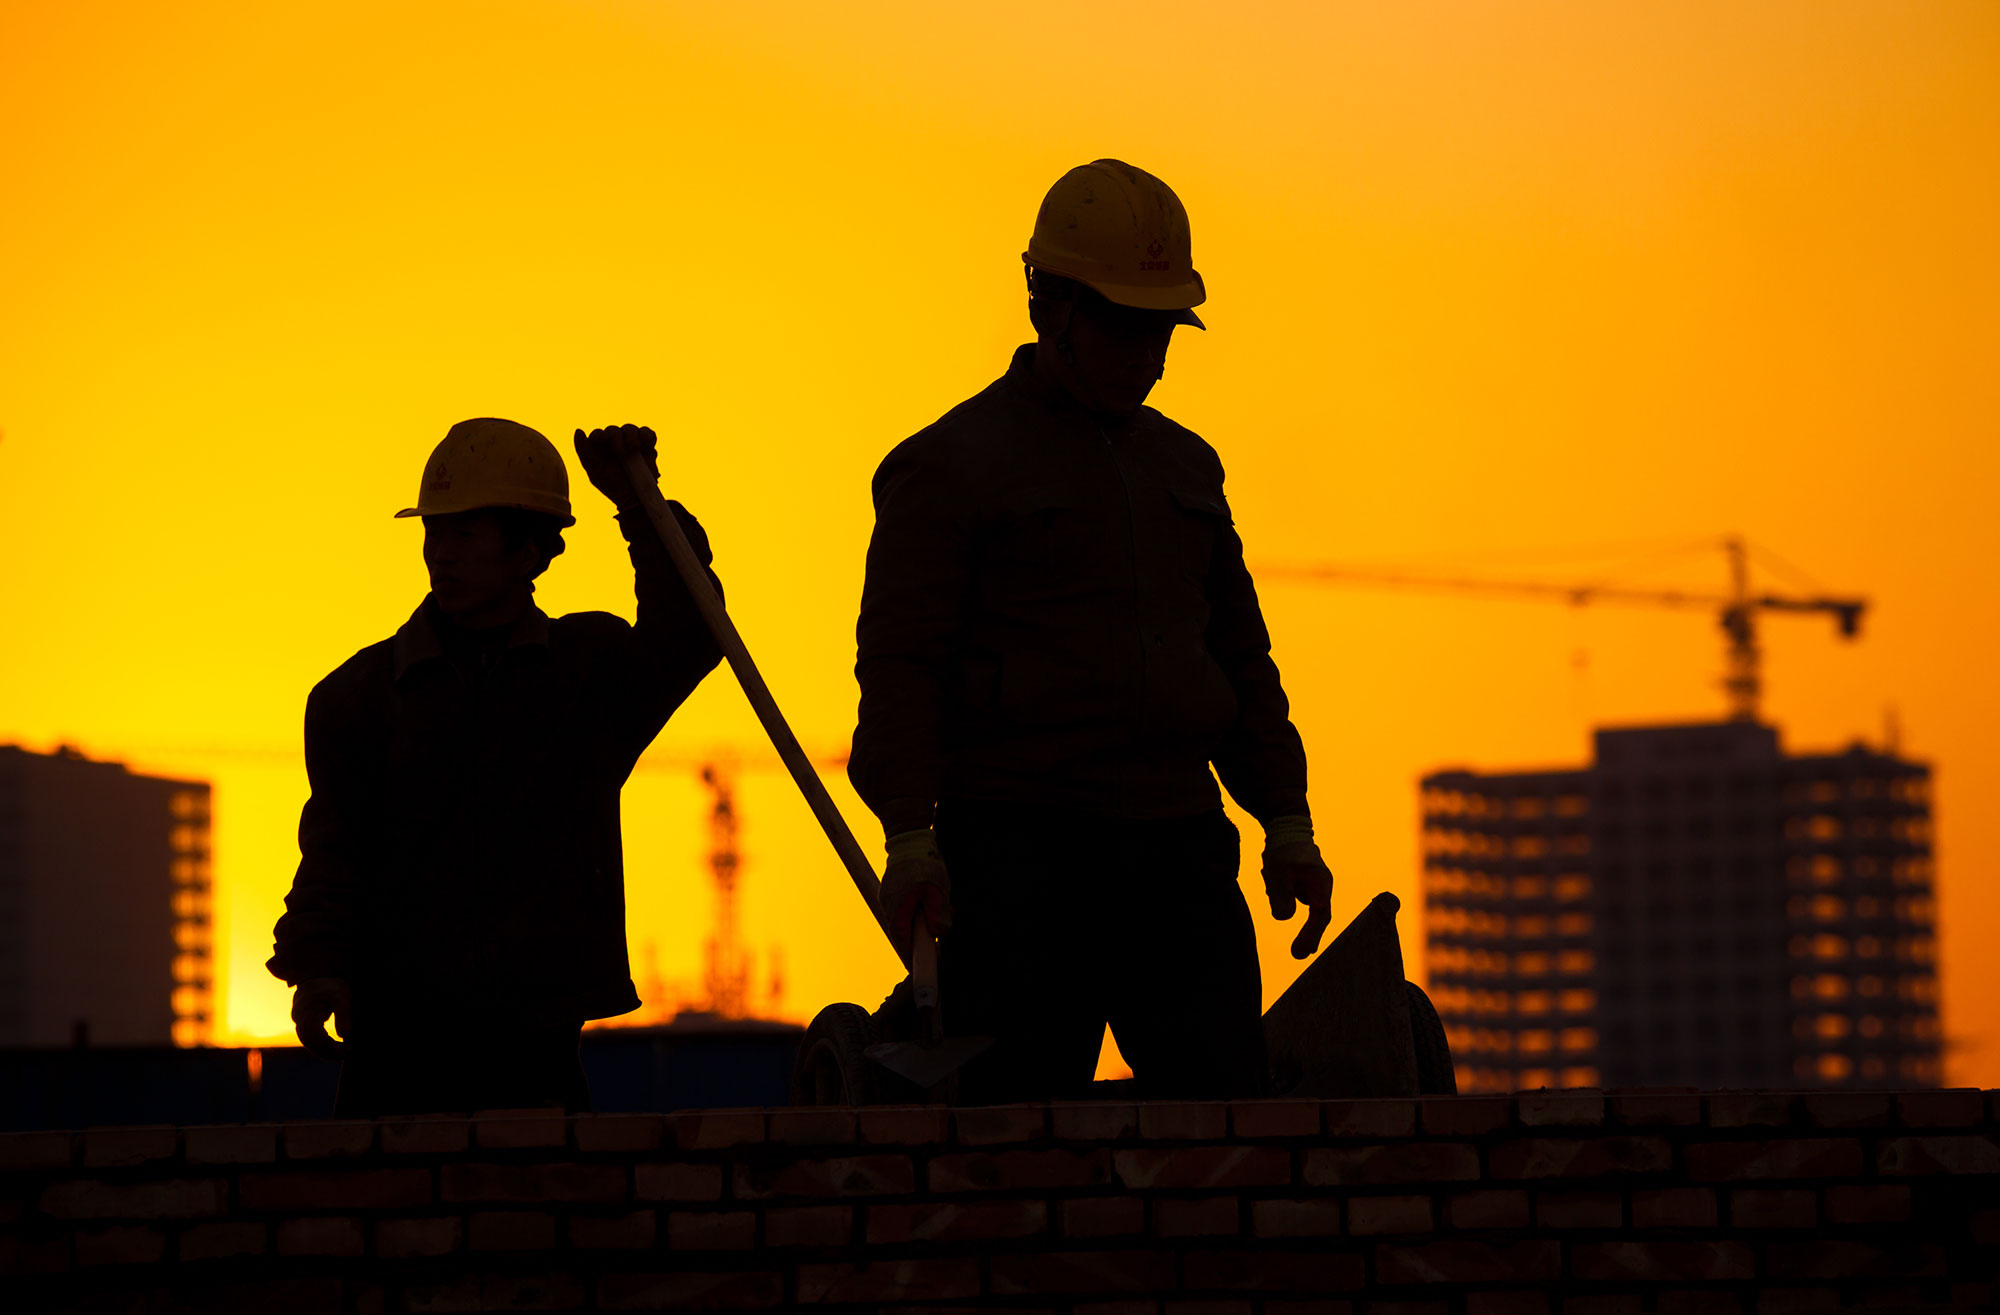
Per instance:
{"type": "Point", "coordinates": [915, 879]}
{"type": "Point", "coordinates": [602, 453]}
{"type": "Point", "coordinates": [1295, 874]}
{"type": "Point", "coordinates": [318, 999]}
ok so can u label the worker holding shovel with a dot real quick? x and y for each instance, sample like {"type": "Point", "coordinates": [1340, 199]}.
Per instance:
{"type": "Point", "coordinates": [1058, 639]}
{"type": "Point", "coordinates": [459, 904]}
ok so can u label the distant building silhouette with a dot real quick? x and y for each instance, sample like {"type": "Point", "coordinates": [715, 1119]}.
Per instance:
{"type": "Point", "coordinates": [1695, 908]}
{"type": "Point", "coordinates": [105, 920]}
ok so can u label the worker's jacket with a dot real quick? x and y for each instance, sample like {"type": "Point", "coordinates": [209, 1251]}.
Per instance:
{"type": "Point", "coordinates": [1057, 612]}
{"type": "Point", "coordinates": [460, 853]}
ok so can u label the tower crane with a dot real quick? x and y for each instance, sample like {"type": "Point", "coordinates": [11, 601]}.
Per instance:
{"type": "Point", "coordinates": [1737, 610]}
{"type": "Point", "coordinates": [727, 963]}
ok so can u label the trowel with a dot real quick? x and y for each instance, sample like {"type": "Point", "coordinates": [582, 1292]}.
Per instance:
{"type": "Point", "coordinates": [930, 1060]}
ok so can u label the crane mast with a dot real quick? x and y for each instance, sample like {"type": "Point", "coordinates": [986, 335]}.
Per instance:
{"type": "Point", "coordinates": [1736, 611]}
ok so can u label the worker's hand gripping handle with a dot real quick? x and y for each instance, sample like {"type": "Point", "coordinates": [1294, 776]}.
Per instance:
{"type": "Point", "coordinates": [317, 1000]}
{"type": "Point", "coordinates": [646, 483]}
{"type": "Point", "coordinates": [315, 1039]}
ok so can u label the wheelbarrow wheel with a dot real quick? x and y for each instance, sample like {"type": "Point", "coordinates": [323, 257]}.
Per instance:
{"type": "Point", "coordinates": [1435, 1075]}
{"type": "Point", "coordinates": [832, 1068]}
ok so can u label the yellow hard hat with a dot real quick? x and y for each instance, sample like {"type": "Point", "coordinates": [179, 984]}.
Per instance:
{"type": "Point", "coordinates": [1122, 233]}
{"type": "Point", "coordinates": [493, 463]}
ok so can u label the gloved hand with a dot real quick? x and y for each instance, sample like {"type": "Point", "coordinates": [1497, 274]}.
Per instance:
{"type": "Point", "coordinates": [1295, 874]}
{"type": "Point", "coordinates": [602, 453]}
{"type": "Point", "coordinates": [915, 879]}
{"type": "Point", "coordinates": [320, 998]}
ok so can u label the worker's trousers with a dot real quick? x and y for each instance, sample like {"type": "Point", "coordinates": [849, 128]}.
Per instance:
{"type": "Point", "coordinates": [1063, 923]}
{"type": "Point", "coordinates": [462, 1065]}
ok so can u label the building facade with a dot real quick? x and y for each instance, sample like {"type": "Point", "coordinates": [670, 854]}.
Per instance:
{"type": "Point", "coordinates": [106, 921]}
{"type": "Point", "coordinates": [1695, 908]}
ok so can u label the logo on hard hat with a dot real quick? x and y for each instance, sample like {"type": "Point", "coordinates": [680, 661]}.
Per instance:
{"type": "Point", "coordinates": [1155, 247]}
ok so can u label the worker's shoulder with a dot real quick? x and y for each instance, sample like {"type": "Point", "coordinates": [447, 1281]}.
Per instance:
{"type": "Point", "coordinates": [588, 627]}
{"type": "Point", "coordinates": [1175, 445]}
{"type": "Point", "coordinates": [354, 680]}
{"type": "Point", "coordinates": [956, 438]}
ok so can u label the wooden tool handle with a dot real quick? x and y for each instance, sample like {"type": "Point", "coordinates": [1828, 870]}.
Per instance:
{"type": "Point", "coordinates": [719, 625]}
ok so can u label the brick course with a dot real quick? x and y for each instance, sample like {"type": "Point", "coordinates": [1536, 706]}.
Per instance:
{"type": "Point", "coordinates": [1550, 1203]}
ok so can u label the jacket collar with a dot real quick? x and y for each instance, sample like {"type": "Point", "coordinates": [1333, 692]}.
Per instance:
{"type": "Point", "coordinates": [1022, 380]}
{"type": "Point", "coordinates": [419, 641]}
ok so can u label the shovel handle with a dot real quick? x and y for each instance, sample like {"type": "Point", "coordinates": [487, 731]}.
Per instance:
{"type": "Point", "coordinates": [726, 637]}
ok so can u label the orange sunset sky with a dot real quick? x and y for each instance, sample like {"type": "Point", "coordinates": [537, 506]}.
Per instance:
{"type": "Point", "coordinates": [1487, 280]}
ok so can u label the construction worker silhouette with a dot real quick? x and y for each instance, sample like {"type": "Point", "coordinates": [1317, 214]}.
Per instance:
{"type": "Point", "coordinates": [459, 908]}
{"type": "Point", "coordinates": [1058, 639]}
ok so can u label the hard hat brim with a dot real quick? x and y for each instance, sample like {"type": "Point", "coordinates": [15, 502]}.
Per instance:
{"type": "Point", "coordinates": [1182, 297]}
{"type": "Point", "coordinates": [488, 504]}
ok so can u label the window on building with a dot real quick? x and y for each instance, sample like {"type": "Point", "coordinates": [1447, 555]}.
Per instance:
{"type": "Point", "coordinates": [1532, 1003]}
{"type": "Point", "coordinates": [1577, 1000]}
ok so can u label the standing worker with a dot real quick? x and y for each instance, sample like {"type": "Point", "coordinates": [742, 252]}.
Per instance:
{"type": "Point", "coordinates": [459, 908]}
{"type": "Point", "coordinates": [1058, 637]}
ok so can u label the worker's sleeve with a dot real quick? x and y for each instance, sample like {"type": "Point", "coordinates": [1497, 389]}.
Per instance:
{"type": "Point", "coordinates": [1262, 761]}
{"type": "Point", "coordinates": [670, 649]}
{"type": "Point", "coordinates": [913, 609]}
{"type": "Point", "coordinates": [316, 936]}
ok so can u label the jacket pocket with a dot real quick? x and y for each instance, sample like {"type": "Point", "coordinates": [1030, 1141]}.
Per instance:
{"type": "Point", "coordinates": [1030, 548]}
{"type": "Point", "coordinates": [1199, 516]}
{"type": "Point", "coordinates": [1201, 502]}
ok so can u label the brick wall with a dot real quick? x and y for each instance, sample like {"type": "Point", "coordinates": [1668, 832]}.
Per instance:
{"type": "Point", "coordinates": [1566, 1202]}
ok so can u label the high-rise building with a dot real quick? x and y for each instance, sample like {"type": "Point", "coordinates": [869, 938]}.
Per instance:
{"type": "Point", "coordinates": [105, 919]}
{"type": "Point", "coordinates": [1694, 908]}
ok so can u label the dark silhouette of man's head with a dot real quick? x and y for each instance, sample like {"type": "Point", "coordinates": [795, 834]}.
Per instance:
{"type": "Point", "coordinates": [483, 563]}
{"type": "Point", "coordinates": [1110, 273]}
{"type": "Point", "coordinates": [495, 500]}
{"type": "Point", "coordinates": [1106, 356]}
